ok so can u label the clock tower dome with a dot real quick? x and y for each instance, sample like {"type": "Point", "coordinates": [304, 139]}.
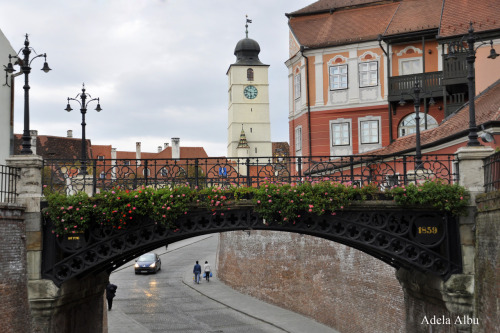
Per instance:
{"type": "Point", "coordinates": [248, 110]}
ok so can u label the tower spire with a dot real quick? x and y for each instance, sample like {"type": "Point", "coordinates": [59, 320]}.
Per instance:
{"type": "Point", "coordinates": [246, 25]}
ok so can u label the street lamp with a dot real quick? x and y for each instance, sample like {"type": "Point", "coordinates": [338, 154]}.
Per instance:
{"type": "Point", "coordinates": [453, 48]}
{"type": "Point", "coordinates": [416, 94]}
{"type": "Point", "coordinates": [25, 64]}
{"type": "Point", "coordinates": [83, 109]}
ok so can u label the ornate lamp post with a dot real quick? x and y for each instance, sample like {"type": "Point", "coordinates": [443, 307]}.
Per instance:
{"type": "Point", "coordinates": [453, 47]}
{"type": "Point", "coordinates": [25, 64]}
{"type": "Point", "coordinates": [83, 109]}
{"type": "Point", "coordinates": [417, 93]}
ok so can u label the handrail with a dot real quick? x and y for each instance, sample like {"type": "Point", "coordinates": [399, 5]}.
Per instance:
{"type": "Point", "coordinates": [382, 171]}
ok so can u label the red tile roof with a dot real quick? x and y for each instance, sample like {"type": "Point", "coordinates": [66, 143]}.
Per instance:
{"type": "Point", "coordinates": [415, 15]}
{"type": "Point", "coordinates": [55, 147]}
{"type": "Point", "coordinates": [327, 5]}
{"type": "Point", "coordinates": [337, 22]}
{"type": "Point", "coordinates": [343, 27]}
{"type": "Point", "coordinates": [457, 14]}
{"type": "Point", "coordinates": [186, 152]}
{"type": "Point", "coordinates": [487, 109]}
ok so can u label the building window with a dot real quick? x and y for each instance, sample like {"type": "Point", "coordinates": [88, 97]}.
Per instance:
{"type": "Point", "coordinates": [409, 125]}
{"type": "Point", "coordinates": [126, 162]}
{"type": "Point", "coordinates": [100, 158]}
{"type": "Point", "coordinates": [341, 134]}
{"type": "Point", "coordinates": [368, 74]}
{"type": "Point", "coordinates": [102, 175]}
{"type": "Point", "coordinates": [338, 77]}
{"type": "Point", "coordinates": [410, 66]}
{"type": "Point", "coordinates": [250, 74]}
{"type": "Point", "coordinates": [298, 138]}
{"type": "Point", "coordinates": [146, 172]}
{"type": "Point", "coordinates": [297, 85]}
{"type": "Point", "coordinates": [369, 131]}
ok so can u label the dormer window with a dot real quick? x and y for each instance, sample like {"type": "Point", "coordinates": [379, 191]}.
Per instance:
{"type": "Point", "coordinates": [250, 74]}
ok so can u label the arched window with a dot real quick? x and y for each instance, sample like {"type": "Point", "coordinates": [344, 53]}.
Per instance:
{"type": "Point", "coordinates": [250, 74]}
{"type": "Point", "coordinates": [408, 124]}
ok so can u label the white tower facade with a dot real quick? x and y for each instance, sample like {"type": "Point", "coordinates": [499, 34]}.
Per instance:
{"type": "Point", "coordinates": [248, 110]}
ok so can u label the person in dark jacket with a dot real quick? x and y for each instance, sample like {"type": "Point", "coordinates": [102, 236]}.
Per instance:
{"type": "Point", "coordinates": [110, 294]}
{"type": "Point", "coordinates": [197, 272]}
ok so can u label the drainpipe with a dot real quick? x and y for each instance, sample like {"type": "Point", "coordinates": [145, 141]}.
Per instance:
{"type": "Point", "coordinates": [391, 139]}
{"type": "Point", "coordinates": [11, 148]}
{"type": "Point", "coordinates": [302, 48]}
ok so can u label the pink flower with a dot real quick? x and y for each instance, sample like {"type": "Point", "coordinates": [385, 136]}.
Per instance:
{"type": "Point", "coordinates": [258, 201]}
{"type": "Point", "coordinates": [168, 208]}
{"type": "Point", "coordinates": [270, 200]}
{"type": "Point", "coordinates": [310, 210]}
{"type": "Point", "coordinates": [311, 206]}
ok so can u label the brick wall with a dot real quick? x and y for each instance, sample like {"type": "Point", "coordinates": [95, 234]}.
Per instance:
{"type": "Point", "coordinates": [332, 283]}
{"type": "Point", "coordinates": [14, 305]}
{"type": "Point", "coordinates": [487, 263]}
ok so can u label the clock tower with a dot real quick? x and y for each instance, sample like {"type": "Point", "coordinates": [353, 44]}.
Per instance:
{"type": "Point", "coordinates": [248, 111]}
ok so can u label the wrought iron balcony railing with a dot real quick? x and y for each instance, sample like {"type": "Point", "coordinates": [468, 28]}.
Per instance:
{"type": "Point", "coordinates": [492, 172]}
{"type": "Point", "coordinates": [384, 171]}
{"type": "Point", "coordinates": [8, 184]}
{"type": "Point", "coordinates": [401, 85]}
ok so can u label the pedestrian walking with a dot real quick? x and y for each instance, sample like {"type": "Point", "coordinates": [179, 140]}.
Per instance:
{"type": "Point", "coordinates": [207, 270]}
{"type": "Point", "coordinates": [110, 294]}
{"type": "Point", "coordinates": [197, 272]}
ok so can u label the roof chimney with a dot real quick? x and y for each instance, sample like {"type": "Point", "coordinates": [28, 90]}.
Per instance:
{"type": "Point", "coordinates": [165, 145]}
{"type": "Point", "coordinates": [70, 134]}
{"type": "Point", "coordinates": [176, 149]}
{"type": "Point", "coordinates": [138, 152]}
{"type": "Point", "coordinates": [159, 149]}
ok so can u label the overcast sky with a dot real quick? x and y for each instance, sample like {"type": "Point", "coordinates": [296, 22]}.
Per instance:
{"type": "Point", "coordinates": [158, 66]}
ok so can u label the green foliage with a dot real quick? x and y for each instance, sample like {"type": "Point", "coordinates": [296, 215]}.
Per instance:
{"type": "Point", "coordinates": [287, 203]}
{"type": "Point", "coordinates": [450, 198]}
{"type": "Point", "coordinates": [282, 203]}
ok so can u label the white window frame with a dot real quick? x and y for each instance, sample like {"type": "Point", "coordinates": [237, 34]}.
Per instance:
{"type": "Point", "coordinates": [362, 135]}
{"type": "Point", "coordinates": [418, 70]}
{"type": "Point", "coordinates": [298, 138]}
{"type": "Point", "coordinates": [370, 74]}
{"type": "Point", "coordinates": [411, 127]}
{"type": "Point", "coordinates": [342, 126]}
{"type": "Point", "coordinates": [297, 85]}
{"type": "Point", "coordinates": [339, 77]}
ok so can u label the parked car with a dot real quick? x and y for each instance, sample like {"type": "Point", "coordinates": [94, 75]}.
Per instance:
{"type": "Point", "coordinates": [147, 263]}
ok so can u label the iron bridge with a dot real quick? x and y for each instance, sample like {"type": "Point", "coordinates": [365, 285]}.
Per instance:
{"type": "Point", "coordinates": [426, 241]}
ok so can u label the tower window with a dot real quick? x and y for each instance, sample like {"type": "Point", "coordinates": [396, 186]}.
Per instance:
{"type": "Point", "coordinates": [250, 74]}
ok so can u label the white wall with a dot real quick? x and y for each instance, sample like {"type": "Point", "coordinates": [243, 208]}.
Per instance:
{"type": "Point", "coordinates": [5, 102]}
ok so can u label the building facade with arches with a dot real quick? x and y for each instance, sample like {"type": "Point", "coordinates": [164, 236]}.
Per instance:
{"type": "Point", "coordinates": [353, 63]}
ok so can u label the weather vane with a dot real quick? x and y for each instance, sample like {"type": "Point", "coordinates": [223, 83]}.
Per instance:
{"type": "Point", "coordinates": [246, 25]}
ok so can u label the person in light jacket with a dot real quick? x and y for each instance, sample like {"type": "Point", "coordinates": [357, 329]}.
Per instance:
{"type": "Point", "coordinates": [207, 270]}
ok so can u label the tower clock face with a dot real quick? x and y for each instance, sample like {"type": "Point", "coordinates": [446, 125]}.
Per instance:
{"type": "Point", "coordinates": [250, 92]}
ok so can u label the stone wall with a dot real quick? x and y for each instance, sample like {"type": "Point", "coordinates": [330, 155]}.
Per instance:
{"type": "Point", "coordinates": [487, 263]}
{"type": "Point", "coordinates": [332, 283]}
{"type": "Point", "coordinates": [14, 305]}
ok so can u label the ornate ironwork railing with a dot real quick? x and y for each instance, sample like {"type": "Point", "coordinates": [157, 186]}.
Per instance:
{"type": "Point", "coordinates": [492, 172]}
{"type": "Point", "coordinates": [383, 171]}
{"type": "Point", "coordinates": [8, 183]}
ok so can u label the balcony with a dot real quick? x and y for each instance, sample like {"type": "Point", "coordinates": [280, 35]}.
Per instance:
{"type": "Point", "coordinates": [455, 70]}
{"type": "Point", "coordinates": [430, 82]}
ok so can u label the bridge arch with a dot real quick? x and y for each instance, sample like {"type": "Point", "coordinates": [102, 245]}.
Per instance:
{"type": "Point", "coordinates": [394, 235]}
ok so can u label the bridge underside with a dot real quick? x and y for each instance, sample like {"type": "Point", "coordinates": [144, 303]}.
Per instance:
{"type": "Point", "coordinates": [427, 241]}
